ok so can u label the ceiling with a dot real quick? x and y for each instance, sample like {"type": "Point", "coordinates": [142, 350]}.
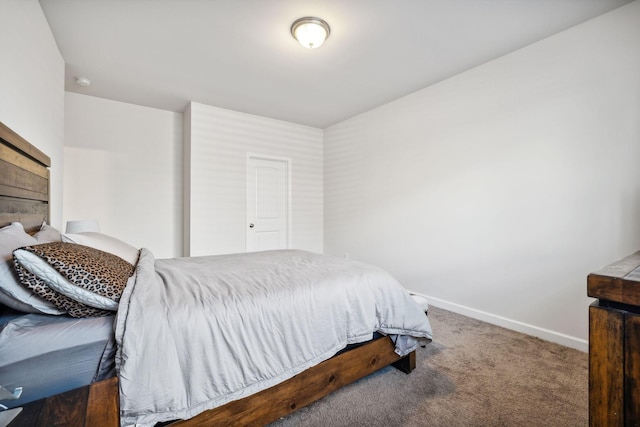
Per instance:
{"type": "Point", "coordinates": [240, 55]}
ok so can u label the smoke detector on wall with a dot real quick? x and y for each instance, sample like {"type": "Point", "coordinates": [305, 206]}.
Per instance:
{"type": "Point", "coordinates": [83, 81]}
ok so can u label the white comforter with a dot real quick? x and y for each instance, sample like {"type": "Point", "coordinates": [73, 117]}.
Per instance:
{"type": "Point", "coordinates": [195, 333]}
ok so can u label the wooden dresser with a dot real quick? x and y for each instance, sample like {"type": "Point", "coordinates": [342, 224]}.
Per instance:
{"type": "Point", "coordinates": [614, 344]}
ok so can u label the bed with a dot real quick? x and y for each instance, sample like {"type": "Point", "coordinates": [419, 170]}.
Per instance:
{"type": "Point", "coordinates": [285, 354]}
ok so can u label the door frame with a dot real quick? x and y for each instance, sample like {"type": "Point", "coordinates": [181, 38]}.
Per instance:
{"type": "Point", "coordinates": [287, 161]}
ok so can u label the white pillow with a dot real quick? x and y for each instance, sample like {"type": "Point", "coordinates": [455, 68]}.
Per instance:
{"type": "Point", "coordinates": [13, 303]}
{"type": "Point", "coordinates": [104, 243]}
{"type": "Point", "coordinates": [59, 283]}
{"type": "Point", "coordinates": [47, 234]}
{"type": "Point", "coordinates": [12, 293]}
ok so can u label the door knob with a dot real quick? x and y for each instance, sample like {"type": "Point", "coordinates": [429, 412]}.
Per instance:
{"type": "Point", "coordinates": [251, 225]}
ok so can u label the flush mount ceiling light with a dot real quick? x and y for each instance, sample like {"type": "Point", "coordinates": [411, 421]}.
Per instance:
{"type": "Point", "coordinates": [311, 32]}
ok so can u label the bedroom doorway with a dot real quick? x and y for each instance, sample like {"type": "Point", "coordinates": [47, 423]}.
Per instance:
{"type": "Point", "coordinates": [268, 202]}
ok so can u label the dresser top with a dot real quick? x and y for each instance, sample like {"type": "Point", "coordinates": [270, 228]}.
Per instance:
{"type": "Point", "coordinates": [617, 282]}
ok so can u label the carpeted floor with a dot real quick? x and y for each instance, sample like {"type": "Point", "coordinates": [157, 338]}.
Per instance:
{"type": "Point", "coordinates": [472, 374]}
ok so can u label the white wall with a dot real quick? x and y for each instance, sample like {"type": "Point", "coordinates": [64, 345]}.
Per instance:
{"type": "Point", "coordinates": [217, 148]}
{"type": "Point", "coordinates": [497, 191]}
{"type": "Point", "coordinates": [32, 86]}
{"type": "Point", "coordinates": [123, 166]}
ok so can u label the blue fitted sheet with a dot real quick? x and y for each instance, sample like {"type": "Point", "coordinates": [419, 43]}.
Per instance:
{"type": "Point", "coordinates": [47, 355]}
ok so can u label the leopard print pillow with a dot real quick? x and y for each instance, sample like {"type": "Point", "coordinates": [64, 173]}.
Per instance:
{"type": "Point", "coordinates": [91, 269]}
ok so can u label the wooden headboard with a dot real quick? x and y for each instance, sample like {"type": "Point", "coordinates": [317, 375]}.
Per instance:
{"type": "Point", "coordinates": [24, 181]}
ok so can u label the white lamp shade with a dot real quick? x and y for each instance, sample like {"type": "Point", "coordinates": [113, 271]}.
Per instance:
{"type": "Point", "coordinates": [311, 32]}
{"type": "Point", "coordinates": [83, 226]}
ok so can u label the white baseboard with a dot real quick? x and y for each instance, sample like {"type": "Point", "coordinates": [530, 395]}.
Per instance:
{"type": "Point", "coordinates": [514, 325]}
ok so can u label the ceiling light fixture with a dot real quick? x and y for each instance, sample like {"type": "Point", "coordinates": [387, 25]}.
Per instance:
{"type": "Point", "coordinates": [83, 81]}
{"type": "Point", "coordinates": [310, 31]}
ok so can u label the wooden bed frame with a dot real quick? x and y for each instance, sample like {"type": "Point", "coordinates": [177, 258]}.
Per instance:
{"type": "Point", "coordinates": [24, 197]}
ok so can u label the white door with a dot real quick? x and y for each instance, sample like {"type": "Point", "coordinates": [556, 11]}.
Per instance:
{"type": "Point", "coordinates": [267, 203]}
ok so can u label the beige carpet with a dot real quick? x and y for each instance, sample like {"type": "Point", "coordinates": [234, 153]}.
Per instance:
{"type": "Point", "coordinates": [472, 374]}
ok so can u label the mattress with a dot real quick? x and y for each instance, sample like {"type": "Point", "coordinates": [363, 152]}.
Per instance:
{"type": "Point", "coordinates": [232, 325]}
{"type": "Point", "coordinates": [47, 355]}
